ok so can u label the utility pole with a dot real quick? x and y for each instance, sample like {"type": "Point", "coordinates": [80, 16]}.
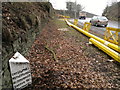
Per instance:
{"type": "Point", "coordinates": [75, 8]}
{"type": "Point", "coordinates": [75, 20]}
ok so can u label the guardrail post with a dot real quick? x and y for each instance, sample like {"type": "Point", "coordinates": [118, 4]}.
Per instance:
{"type": "Point", "coordinates": [75, 21]}
{"type": "Point", "coordinates": [111, 36]}
{"type": "Point", "coordinates": [87, 26]}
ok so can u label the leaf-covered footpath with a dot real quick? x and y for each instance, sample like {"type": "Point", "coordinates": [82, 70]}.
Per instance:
{"type": "Point", "coordinates": [64, 59]}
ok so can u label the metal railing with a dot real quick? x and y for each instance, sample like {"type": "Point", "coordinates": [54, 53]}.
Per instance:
{"type": "Point", "coordinates": [101, 43]}
{"type": "Point", "coordinates": [106, 49]}
{"type": "Point", "coordinates": [87, 26]}
{"type": "Point", "coordinates": [75, 21]}
{"type": "Point", "coordinates": [111, 35]}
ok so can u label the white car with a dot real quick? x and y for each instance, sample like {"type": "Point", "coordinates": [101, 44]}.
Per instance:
{"type": "Point", "coordinates": [99, 21]}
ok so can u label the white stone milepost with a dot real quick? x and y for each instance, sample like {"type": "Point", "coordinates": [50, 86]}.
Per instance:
{"type": "Point", "coordinates": [20, 71]}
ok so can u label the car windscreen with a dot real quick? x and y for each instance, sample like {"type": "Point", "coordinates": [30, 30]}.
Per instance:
{"type": "Point", "coordinates": [102, 18]}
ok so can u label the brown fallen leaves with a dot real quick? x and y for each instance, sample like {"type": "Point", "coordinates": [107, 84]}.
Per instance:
{"type": "Point", "coordinates": [73, 70]}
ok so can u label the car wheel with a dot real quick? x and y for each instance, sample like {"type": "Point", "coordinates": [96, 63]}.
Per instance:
{"type": "Point", "coordinates": [105, 25]}
{"type": "Point", "coordinates": [91, 23]}
{"type": "Point", "coordinates": [96, 24]}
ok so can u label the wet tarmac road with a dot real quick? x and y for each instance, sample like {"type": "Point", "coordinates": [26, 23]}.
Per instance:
{"type": "Point", "coordinates": [99, 29]}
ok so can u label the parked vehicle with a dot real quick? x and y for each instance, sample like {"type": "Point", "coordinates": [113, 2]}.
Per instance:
{"type": "Point", "coordinates": [99, 21]}
{"type": "Point", "coordinates": [82, 15]}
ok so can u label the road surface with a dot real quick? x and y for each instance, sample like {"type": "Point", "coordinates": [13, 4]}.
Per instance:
{"type": "Point", "coordinates": [99, 29]}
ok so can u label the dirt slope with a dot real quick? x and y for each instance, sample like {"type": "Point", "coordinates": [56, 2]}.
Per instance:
{"type": "Point", "coordinates": [21, 23]}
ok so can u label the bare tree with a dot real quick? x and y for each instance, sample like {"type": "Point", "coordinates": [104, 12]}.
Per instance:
{"type": "Point", "coordinates": [72, 6]}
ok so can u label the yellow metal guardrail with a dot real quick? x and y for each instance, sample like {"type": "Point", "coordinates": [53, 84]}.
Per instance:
{"type": "Point", "coordinates": [106, 49]}
{"type": "Point", "coordinates": [67, 16]}
{"type": "Point", "coordinates": [75, 21]}
{"type": "Point", "coordinates": [111, 36]}
{"type": "Point", "coordinates": [87, 26]}
{"type": "Point", "coordinates": [111, 45]}
{"type": "Point", "coordinates": [62, 16]}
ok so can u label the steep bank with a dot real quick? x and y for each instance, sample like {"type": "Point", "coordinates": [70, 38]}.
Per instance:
{"type": "Point", "coordinates": [22, 22]}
